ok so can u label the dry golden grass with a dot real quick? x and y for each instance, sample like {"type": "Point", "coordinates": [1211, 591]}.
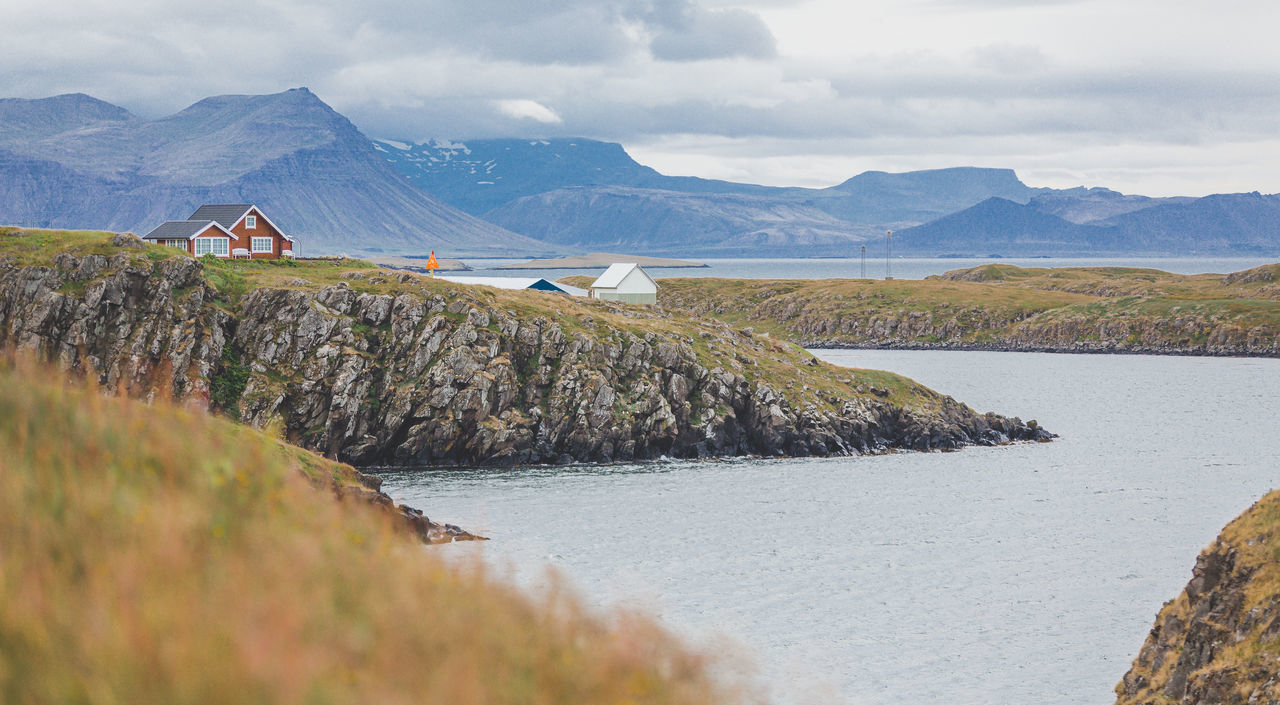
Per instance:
{"type": "Point", "coordinates": [154, 554]}
{"type": "Point", "coordinates": [983, 305]}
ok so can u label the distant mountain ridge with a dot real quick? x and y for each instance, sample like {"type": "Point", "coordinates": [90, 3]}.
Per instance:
{"type": "Point", "coordinates": [480, 175]}
{"type": "Point", "coordinates": [618, 218]}
{"type": "Point", "coordinates": [590, 194]}
{"type": "Point", "coordinates": [73, 161]}
{"type": "Point", "coordinates": [1224, 225]}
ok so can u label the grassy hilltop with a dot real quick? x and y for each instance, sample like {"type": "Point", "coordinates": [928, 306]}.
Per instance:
{"type": "Point", "coordinates": [156, 554]}
{"type": "Point", "coordinates": [1104, 309]}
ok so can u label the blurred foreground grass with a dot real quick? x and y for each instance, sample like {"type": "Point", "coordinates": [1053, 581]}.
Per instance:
{"type": "Point", "coordinates": [155, 554]}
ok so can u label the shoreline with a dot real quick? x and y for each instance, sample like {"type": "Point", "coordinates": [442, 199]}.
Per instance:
{"type": "Point", "coordinates": [378, 470]}
{"type": "Point", "coordinates": [1006, 348]}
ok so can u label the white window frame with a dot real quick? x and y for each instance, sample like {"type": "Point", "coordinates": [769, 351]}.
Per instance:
{"type": "Point", "coordinates": [251, 222]}
{"type": "Point", "coordinates": [255, 241]}
{"type": "Point", "coordinates": [180, 244]}
{"type": "Point", "coordinates": [218, 246]}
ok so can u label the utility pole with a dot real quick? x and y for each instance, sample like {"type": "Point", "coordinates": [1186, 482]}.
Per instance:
{"type": "Point", "coordinates": [888, 249]}
{"type": "Point", "coordinates": [864, 261]}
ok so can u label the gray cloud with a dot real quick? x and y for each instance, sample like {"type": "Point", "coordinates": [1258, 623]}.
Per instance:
{"type": "Point", "coordinates": [713, 34]}
{"type": "Point", "coordinates": [693, 73]}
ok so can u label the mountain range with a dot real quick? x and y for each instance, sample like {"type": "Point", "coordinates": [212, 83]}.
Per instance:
{"type": "Point", "coordinates": [1235, 224]}
{"type": "Point", "coordinates": [73, 161]}
{"type": "Point", "coordinates": [592, 195]}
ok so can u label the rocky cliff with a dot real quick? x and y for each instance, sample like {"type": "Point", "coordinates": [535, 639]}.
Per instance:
{"type": "Point", "coordinates": [374, 368]}
{"type": "Point", "coordinates": [1219, 641]}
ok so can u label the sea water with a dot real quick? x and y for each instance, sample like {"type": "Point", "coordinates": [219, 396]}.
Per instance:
{"type": "Point", "coordinates": [1020, 574]}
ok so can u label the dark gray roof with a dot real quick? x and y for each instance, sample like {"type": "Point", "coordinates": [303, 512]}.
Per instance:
{"type": "Point", "coordinates": [226, 214]}
{"type": "Point", "coordinates": [177, 229]}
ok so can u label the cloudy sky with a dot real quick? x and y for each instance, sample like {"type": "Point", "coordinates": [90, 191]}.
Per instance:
{"type": "Point", "coordinates": [1161, 97]}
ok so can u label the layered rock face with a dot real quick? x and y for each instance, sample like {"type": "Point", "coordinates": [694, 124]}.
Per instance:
{"type": "Point", "coordinates": [141, 327]}
{"type": "Point", "coordinates": [376, 369]}
{"type": "Point", "coordinates": [1219, 641]}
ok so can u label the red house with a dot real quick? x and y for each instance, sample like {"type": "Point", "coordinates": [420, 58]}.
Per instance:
{"type": "Point", "coordinates": [225, 230]}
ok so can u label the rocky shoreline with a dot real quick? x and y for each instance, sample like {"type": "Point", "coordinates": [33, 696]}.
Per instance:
{"type": "Point", "coordinates": [374, 368]}
{"type": "Point", "coordinates": [369, 491]}
{"type": "Point", "coordinates": [1077, 348]}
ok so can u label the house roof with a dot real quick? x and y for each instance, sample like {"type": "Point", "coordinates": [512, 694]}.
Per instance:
{"type": "Point", "coordinates": [514, 283]}
{"type": "Point", "coordinates": [570, 290]}
{"type": "Point", "coordinates": [228, 214]}
{"type": "Point", "coordinates": [614, 275]}
{"type": "Point", "coordinates": [184, 230]}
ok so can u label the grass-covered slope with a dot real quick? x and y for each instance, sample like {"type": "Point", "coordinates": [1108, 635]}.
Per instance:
{"type": "Point", "coordinates": [375, 367]}
{"type": "Point", "coordinates": [156, 554]}
{"type": "Point", "coordinates": [1219, 641]}
{"type": "Point", "coordinates": [1105, 309]}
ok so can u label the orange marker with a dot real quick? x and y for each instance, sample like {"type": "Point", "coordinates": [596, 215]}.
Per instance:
{"type": "Point", "coordinates": [432, 264]}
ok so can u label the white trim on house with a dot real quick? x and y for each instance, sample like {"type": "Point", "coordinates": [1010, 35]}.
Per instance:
{"type": "Point", "coordinates": [251, 222]}
{"type": "Point", "coordinates": [262, 215]}
{"type": "Point", "coordinates": [213, 224]}
{"type": "Point", "coordinates": [256, 241]}
{"type": "Point", "coordinates": [215, 244]}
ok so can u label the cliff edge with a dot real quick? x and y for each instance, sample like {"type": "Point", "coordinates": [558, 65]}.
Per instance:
{"type": "Point", "coordinates": [1219, 641]}
{"type": "Point", "coordinates": [376, 368]}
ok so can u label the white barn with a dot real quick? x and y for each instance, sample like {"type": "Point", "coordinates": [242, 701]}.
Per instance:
{"type": "Point", "coordinates": [626, 282]}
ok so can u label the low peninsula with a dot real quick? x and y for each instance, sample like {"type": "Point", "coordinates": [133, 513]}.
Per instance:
{"type": "Point", "coordinates": [418, 264]}
{"type": "Point", "coordinates": [602, 259]}
{"type": "Point", "coordinates": [1003, 307]}
{"type": "Point", "coordinates": [377, 368]}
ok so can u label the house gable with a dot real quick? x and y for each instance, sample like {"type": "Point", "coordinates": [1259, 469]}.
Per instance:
{"type": "Point", "coordinates": [626, 282]}
{"type": "Point", "coordinates": [638, 281]}
{"type": "Point", "coordinates": [263, 241]}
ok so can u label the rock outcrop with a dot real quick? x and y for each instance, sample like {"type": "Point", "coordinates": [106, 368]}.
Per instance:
{"type": "Point", "coordinates": [378, 369]}
{"type": "Point", "coordinates": [1219, 641]}
{"type": "Point", "coordinates": [139, 326]}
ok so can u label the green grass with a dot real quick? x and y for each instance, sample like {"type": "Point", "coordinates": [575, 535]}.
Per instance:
{"type": "Point", "coordinates": [37, 247]}
{"type": "Point", "coordinates": [156, 554]}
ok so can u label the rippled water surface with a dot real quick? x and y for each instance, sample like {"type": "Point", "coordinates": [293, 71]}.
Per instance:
{"type": "Point", "coordinates": [1021, 574]}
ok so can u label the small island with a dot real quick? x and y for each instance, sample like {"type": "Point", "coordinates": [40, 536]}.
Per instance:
{"type": "Point", "coordinates": [592, 260]}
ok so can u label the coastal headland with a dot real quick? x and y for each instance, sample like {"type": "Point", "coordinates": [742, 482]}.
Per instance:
{"type": "Point", "coordinates": [377, 368]}
{"type": "Point", "coordinates": [1007, 308]}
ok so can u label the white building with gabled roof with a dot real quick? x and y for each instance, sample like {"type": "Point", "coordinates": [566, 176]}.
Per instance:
{"type": "Point", "coordinates": [626, 282]}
